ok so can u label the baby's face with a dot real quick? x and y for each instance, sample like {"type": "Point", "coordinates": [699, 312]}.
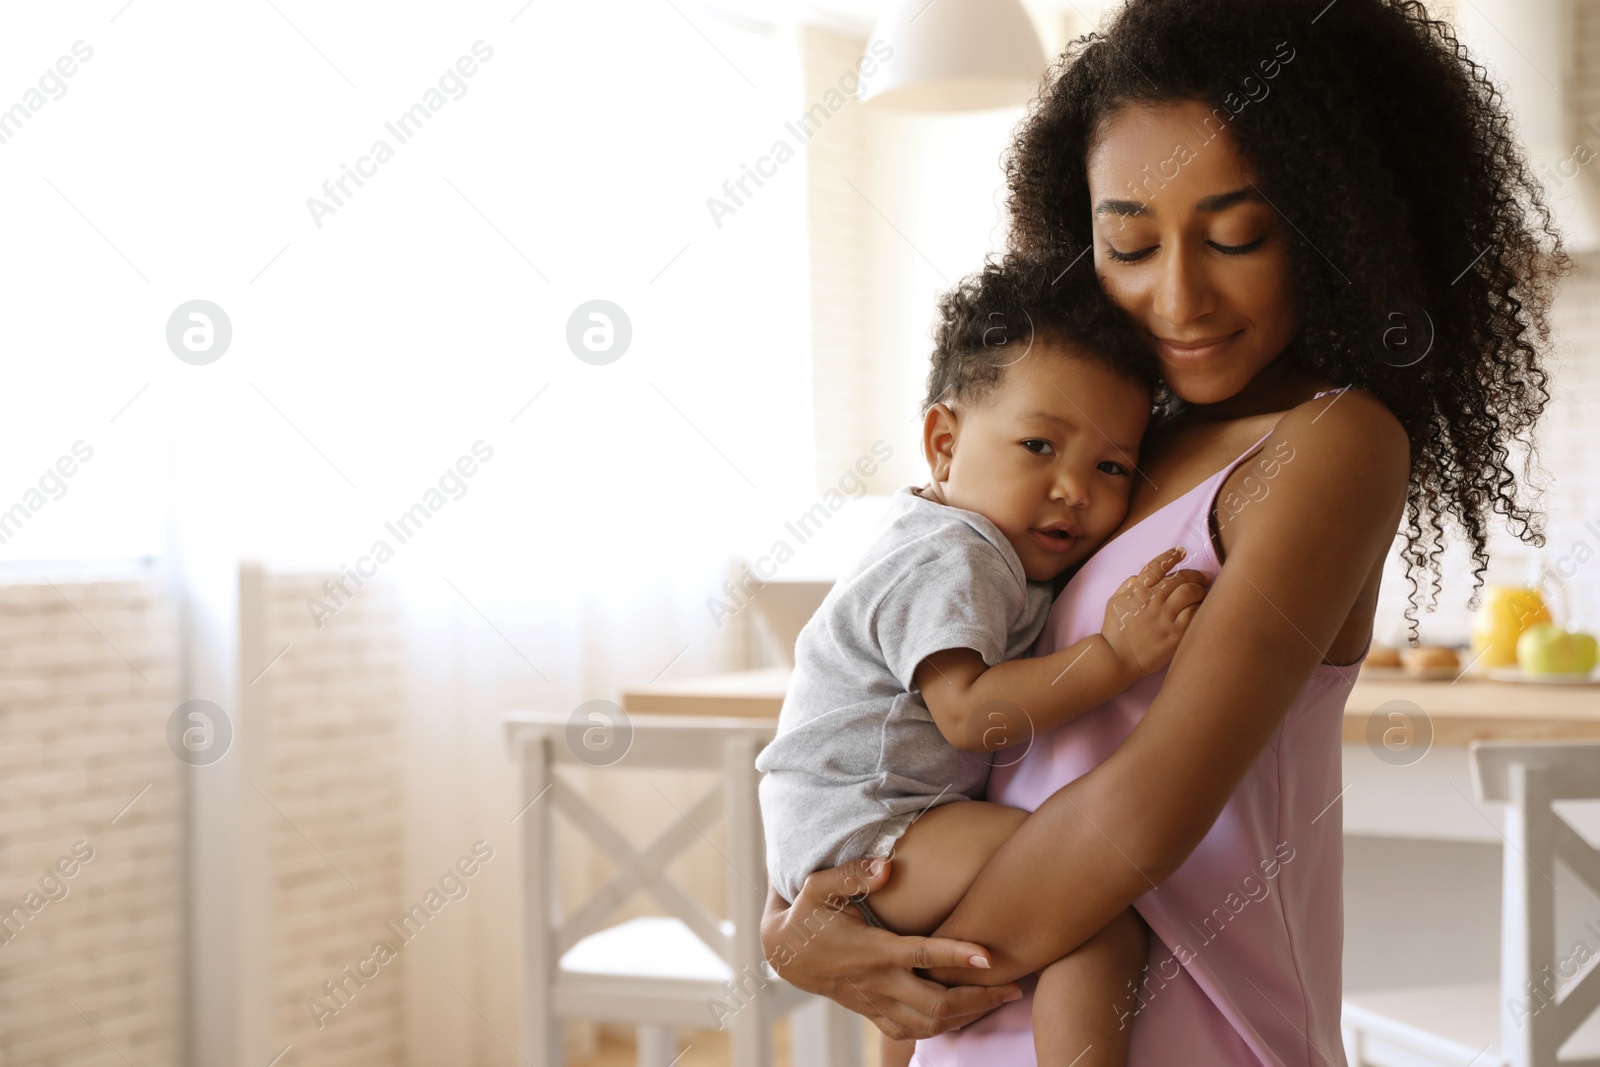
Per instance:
{"type": "Point", "coordinates": [1049, 456]}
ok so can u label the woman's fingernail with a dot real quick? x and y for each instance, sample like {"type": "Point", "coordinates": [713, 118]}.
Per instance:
{"type": "Point", "coordinates": [978, 961]}
{"type": "Point", "coordinates": [1015, 994]}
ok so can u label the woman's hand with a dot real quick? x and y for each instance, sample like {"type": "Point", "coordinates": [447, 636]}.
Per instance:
{"type": "Point", "coordinates": [822, 945]}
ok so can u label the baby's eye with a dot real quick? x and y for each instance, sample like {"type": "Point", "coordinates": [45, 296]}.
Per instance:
{"type": "Point", "coordinates": [1044, 448]}
{"type": "Point", "coordinates": [1116, 468]}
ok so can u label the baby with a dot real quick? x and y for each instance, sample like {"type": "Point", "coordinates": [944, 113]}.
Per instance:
{"type": "Point", "coordinates": [906, 679]}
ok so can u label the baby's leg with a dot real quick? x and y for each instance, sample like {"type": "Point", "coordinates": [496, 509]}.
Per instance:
{"type": "Point", "coordinates": [892, 1053]}
{"type": "Point", "coordinates": [933, 863]}
{"type": "Point", "coordinates": [937, 859]}
{"type": "Point", "coordinates": [1080, 1015]}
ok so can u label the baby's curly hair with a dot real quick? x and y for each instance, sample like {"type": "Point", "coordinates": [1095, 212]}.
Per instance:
{"type": "Point", "coordinates": [993, 317]}
{"type": "Point", "coordinates": [1392, 156]}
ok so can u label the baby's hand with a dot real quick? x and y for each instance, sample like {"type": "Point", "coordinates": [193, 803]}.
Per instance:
{"type": "Point", "coordinates": [1149, 612]}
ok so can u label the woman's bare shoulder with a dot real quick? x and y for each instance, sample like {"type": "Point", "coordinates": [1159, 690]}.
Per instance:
{"type": "Point", "coordinates": [1353, 424]}
{"type": "Point", "coordinates": [1350, 452]}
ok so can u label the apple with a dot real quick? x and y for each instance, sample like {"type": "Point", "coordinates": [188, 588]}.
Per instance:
{"type": "Point", "coordinates": [1547, 649]}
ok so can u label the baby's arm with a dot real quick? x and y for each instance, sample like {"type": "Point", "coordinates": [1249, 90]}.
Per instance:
{"type": "Point", "coordinates": [977, 707]}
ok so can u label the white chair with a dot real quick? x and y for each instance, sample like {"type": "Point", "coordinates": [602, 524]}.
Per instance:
{"type": "Point", "coordinates": [1521, 1022]}
{"type": "Point", "coordinates": [686, 969]}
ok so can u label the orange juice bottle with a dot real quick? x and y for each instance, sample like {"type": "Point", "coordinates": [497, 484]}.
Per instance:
{"type": "Point", "coordinates": [1509, 607]}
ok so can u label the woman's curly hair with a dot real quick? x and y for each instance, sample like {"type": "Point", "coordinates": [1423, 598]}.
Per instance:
{"type": "Point", "coordinates": [1410, 204]}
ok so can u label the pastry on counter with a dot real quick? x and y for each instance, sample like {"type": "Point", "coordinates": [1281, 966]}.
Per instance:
{"type": "Point", "coordinates": [1430, 658]}
{"type": "Point", "coordinates": [1382, 656]}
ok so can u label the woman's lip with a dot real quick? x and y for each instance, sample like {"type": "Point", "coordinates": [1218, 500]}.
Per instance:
{"type": "Point", "coordinates": [1053, 544]}
{"type": "Point", "coordinates": [1189, 353]}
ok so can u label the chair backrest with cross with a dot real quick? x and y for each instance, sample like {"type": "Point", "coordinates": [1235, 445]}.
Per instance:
{"type": "Point", "coordinates": [1529, 777]}
{"type": "Point", "coordinates": [1547, 995]}
{"type": "Point", "coordinates": [687, 968]}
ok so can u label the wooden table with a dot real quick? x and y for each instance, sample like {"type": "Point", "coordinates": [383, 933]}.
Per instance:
{"type": "Point", "coordinates": [1420, 794]}
{"type": "Point", "coordinates": [1479, 709]}
{"type": "Point", "coordinates": [757, 694]}
{"type": "Point", "coordinates": [1471, 709]}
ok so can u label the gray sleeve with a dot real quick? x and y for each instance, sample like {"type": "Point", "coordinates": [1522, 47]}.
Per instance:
{"type": "Point", "coordinates": [1041, 597]}
{"type": "Point", "coordinates": [964, 598]}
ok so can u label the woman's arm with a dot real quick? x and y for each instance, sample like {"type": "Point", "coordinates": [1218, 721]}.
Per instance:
{"type": "Point", "coordinates": [822, 945]}
{"type": "Point", "coordinates": [1296, 566]}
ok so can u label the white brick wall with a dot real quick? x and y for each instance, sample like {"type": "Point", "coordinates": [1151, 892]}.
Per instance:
{"type": "Point", "coordinates": [335, 703]}
{"type": "Point", "coordinates": [82, 734]}
{"type": "Point", "coordinates": [1569, 438]}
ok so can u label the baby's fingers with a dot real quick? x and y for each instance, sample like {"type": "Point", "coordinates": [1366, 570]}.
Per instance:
{"type": "Point", "coordinates": [1178, 579]}
{"type": "Point", "coordinates": [1152, 572]}
{"type": "Point", "coordinates": [1183, 602]}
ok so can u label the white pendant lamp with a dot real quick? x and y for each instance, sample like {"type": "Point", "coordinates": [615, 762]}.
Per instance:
{"type": "Point", "coordinates": [952, 55]}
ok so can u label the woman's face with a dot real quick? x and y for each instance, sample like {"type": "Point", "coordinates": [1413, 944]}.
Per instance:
{"type": "Point", "coordinates": [1189, 247]}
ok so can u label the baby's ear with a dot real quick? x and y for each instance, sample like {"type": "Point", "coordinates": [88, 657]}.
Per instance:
{"type": "Point", "coordinates": [939, 439]}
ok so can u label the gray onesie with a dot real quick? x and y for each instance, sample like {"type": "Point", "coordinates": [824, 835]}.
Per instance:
{"type": "Point", "coordinates": [857, 755]}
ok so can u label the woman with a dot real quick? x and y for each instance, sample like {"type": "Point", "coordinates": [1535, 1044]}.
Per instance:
{"type": "Point", "coordinates": [1316, 217]}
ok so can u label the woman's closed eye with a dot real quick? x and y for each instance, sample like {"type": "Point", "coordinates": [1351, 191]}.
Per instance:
{"type": "Point", "coordinates": [1227, 250]}
{"type": "Point", "coordinates": [1128, 257]}
{"type": "Point", "coordinates": [1239, 250]}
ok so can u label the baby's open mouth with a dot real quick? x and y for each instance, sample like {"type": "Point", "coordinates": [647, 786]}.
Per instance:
{"type": "Point", "coordinates": [1054, 539]}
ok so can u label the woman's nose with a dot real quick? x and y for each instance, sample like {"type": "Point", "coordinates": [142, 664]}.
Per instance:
{"type": "Point", "coordinates": [1183, 292]}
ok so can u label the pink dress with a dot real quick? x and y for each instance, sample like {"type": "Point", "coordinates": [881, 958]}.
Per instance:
{"type": "Point", "coordinates": [1246, 939]}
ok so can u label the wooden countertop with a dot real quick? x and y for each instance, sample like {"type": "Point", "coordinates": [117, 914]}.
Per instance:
{"type": "Point", "coordinates": [755, 693]}
{"type": "Point", "coordinates": [1479, 709]}
{"type": "Point", "coordinates": [1470, 709]}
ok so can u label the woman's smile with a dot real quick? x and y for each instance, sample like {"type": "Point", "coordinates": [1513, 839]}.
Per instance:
{"type": "Point", "coordinates": [1189, 353]}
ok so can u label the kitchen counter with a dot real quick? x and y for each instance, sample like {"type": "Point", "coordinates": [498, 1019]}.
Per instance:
{"type": "Point", "coordinates": [1479, 709]}
{"type": "Point", "coordinates": [758, 694]}
{"type": "Point", "coordinates": [1405, 741]}
{"type": "Point", "coordinates": [1470, 709]}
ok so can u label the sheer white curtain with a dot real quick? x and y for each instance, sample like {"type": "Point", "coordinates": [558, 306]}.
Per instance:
{"type": "Point", "coordinates": [582, 555]}
{"type": "Point", "coordinates": [387, 340]}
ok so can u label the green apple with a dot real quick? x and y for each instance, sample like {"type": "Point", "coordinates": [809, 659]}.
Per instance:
{"type": "Point", "coordinates": [1548, 649]}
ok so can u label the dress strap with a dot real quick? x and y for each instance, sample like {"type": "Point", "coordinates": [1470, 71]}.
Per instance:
{"type": "Point", "coordinates": [1222, 474]}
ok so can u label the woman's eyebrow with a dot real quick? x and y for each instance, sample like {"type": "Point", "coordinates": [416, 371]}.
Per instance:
{"type": "Point", "coordinates": [1223, 201]}
{"type": "Point", "coordinates": [1131, 209]}
{"type": "Point", "coordinates": [1134, 209]}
